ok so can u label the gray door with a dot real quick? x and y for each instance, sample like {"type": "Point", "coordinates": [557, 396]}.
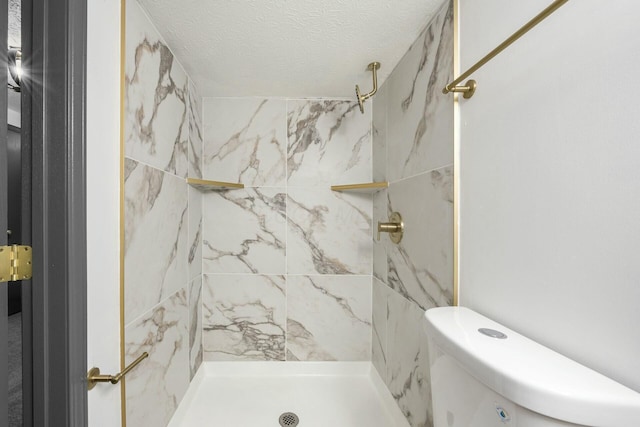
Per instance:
{"type": "Point", "coordinates": [53, 213]}
{"type": "Point", "coordinates": [4, 177]}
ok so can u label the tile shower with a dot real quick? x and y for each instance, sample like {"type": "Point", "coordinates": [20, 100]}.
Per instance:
{"type": "Point", "coordinates": [282, 269]}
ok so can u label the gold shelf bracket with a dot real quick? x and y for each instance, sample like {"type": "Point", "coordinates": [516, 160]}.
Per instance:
{"type": "Point", "coordinates": [367, 187]}
{"type": "Point", "coordinates": [470, 86]}
{"type": "Point", "coordinates": [94, 377]}
{"type": "Point", "coordinates": [207, 185]}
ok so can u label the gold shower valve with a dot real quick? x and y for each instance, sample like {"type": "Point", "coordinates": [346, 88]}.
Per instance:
{"type": "Point", "coordinates": [395, 227]}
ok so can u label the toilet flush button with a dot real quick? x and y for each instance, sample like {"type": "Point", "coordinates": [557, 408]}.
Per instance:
{"type": "Point", "coordinates": [492, 333]}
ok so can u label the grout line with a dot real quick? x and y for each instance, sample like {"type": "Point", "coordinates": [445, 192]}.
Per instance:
{"type": "Point", "coordinates": [157, 168]}
{"type": "Point", "coordinates": [162, 301]}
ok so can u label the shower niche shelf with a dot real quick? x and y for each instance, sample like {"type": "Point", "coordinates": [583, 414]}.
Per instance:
{"type": "Point", "coordinates": [206, 185]}
{"type": "Point", "coordinates": [366, 187]}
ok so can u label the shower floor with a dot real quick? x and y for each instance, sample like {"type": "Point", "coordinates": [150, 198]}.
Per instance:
{"type": "Point", "coordinates": [255, 394]}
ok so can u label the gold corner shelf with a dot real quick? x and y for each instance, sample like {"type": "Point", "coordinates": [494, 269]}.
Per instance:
{"type": "Point", "coordinates": [206, 185]}
{"type": "Point", "coordinates": [367, 187]}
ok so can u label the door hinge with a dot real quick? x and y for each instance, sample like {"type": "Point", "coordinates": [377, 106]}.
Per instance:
{"type": "Point", "coordinates": [15, 263]}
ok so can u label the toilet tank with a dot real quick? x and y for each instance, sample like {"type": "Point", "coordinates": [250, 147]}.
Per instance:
{"type": "Point", "coordinates": [486, 375]}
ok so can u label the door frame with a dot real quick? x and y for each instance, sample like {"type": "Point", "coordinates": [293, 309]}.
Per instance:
{"type": "Point", "coordinates": [54, 38]}
{"type": "Point", "coordinates": [4, 210]}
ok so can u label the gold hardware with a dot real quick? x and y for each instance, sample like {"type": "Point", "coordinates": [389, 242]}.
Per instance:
{"type": "Point", "coordinates": [469, 89]}
{"type": "Point", "coordinates": [15, 263]}
{"type": "Point", "coordinates": [395, 227]}
{"type": "Point", "coordinates": [373, 67]}
{"type": "Point", "coordinates": [367, 187]}
{"type": "Point", "coordinates": [206, 185]}
{"type": "Point", "coordinates": [456, 154]}
{"type": "Point", "coordinates": [94, 377]}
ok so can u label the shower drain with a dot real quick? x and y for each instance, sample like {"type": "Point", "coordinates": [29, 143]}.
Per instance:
{"type": "Point", "coordinates": [288, 419]}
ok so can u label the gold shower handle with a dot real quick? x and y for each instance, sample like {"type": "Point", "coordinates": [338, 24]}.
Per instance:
{"type": "Point", "coordinates": [94, 377]}
{"type": "Point", "coordinates": [395, 227]}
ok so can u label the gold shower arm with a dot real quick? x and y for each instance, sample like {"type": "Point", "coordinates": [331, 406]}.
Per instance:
{"type": "Point", "coordinates": [470, 86]}
{"type": "Point", "coordinates": [373, 67]}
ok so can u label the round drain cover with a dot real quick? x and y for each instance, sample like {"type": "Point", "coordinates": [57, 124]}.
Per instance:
{"type": "Point", "coordinates": [288, 419]}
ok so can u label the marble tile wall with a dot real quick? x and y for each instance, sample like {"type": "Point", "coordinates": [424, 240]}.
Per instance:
{"type": "Point", "coordinates": [163, 224]}
{"type": "Point", "coordinates": [283, 269]}
{"type": "Point", "coordinates": [286, 258]}
{"type": "Point", "coordinates": [413, 150]}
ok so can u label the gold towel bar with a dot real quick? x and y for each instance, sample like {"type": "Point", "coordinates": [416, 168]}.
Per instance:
{"type": "Point", "coordinates": [94, 377]}
{"type": "Point", "coordinates": [470, 86]}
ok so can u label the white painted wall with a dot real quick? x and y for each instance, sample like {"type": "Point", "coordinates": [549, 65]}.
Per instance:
{"type": "Point", "coordinates": [550, 178]}
{"type": "Point", "coordinates": [103, 198]}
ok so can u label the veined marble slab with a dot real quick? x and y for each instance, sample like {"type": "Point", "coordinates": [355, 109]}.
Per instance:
{"type": "Point", "coordinates": [195, 325]}
{"type": "Point", "coordinates": [420, 267]}
{"type": "Point", "coordinates": [157, 97]}
{"type": "Point", "coordinates": [408, 377]}
{"type": "Point", "coordinates": [329, 143]}
{"type": "Point", "coordinates": [329, 318]}
{"type": "Point", "coordinates": [244, 317]}
{"type": "Point", "coordinates": [328, 232]}
{"type": "Point", "coordinates": [245, 141]}
{"type": "Point", "coordinates": [156, 253]}
{"type": "Point", "coordinates": [419, 115]}
{"type": "Point", "coordinates": [195, 232]}
{"type": "Point", "coordinates": [381, 213]}
{"type": "Point", "coordinates": [195, 132]}
{"type": "Point", "coordinates": [157, 385]}
{"type": "Point", "coordinates": [245, 231]}
{"type": "Point", "coordinates": [379, 125]}
{"type": "Point", "coordinates": [379, 314]}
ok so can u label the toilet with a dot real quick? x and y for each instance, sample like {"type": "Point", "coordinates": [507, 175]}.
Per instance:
{"type": "Point", "coordinates": [486, 375]}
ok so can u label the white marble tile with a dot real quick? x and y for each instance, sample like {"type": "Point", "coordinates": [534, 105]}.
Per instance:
{"type": "Point", "coordinates": [328, 232]}
{"type": "Point", "coordinates": [408, 377]}
{"type": "Point", "coordinates": [156, 123]}
{"type": "Point", "coordinates": [420, 116]}
{"type": "Point", "coordinates": [380, 214]}
{"type": "Point", "coordinates": [245, 231]}
{"type": "Point", "coordinates": [195, 325]}
{"type": "Point", "coordinates": [329, 143]}
{"type": "Point", "coordinates": [420, 267]}
{"type": "Point", "coordinates": [379, 129]}
{"type": "Point", "coordinates": [195, 232]}
{"type": "Point", "coordinates": [157, 385]}
{"type": "Point", "coordinates": [329, 318]}
{"type": "Point", "coordinates": [244, 317]}
{"type": "Point", "coordinates": [245, 140]}
{"type": "Point", "coordinates": [195, 132]}
{"type": "Point", "coordinates": [380, 294]}
{"type": "Point", "coordinates": [156, 252]}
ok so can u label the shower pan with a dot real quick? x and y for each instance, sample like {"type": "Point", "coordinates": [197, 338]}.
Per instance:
{"type": "Point", "coordinates": [309, 394]}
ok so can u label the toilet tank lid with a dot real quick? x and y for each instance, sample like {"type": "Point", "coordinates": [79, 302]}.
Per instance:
{"type": "Point", "coordinates": [529, 374]}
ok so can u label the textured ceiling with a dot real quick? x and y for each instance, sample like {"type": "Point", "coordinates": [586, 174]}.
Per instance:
{"type": "Point", "coordinates": [292, 48]}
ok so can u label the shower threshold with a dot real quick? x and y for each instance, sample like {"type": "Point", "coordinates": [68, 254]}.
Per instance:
{"type": "Point", "coordinates": [256, 394]}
